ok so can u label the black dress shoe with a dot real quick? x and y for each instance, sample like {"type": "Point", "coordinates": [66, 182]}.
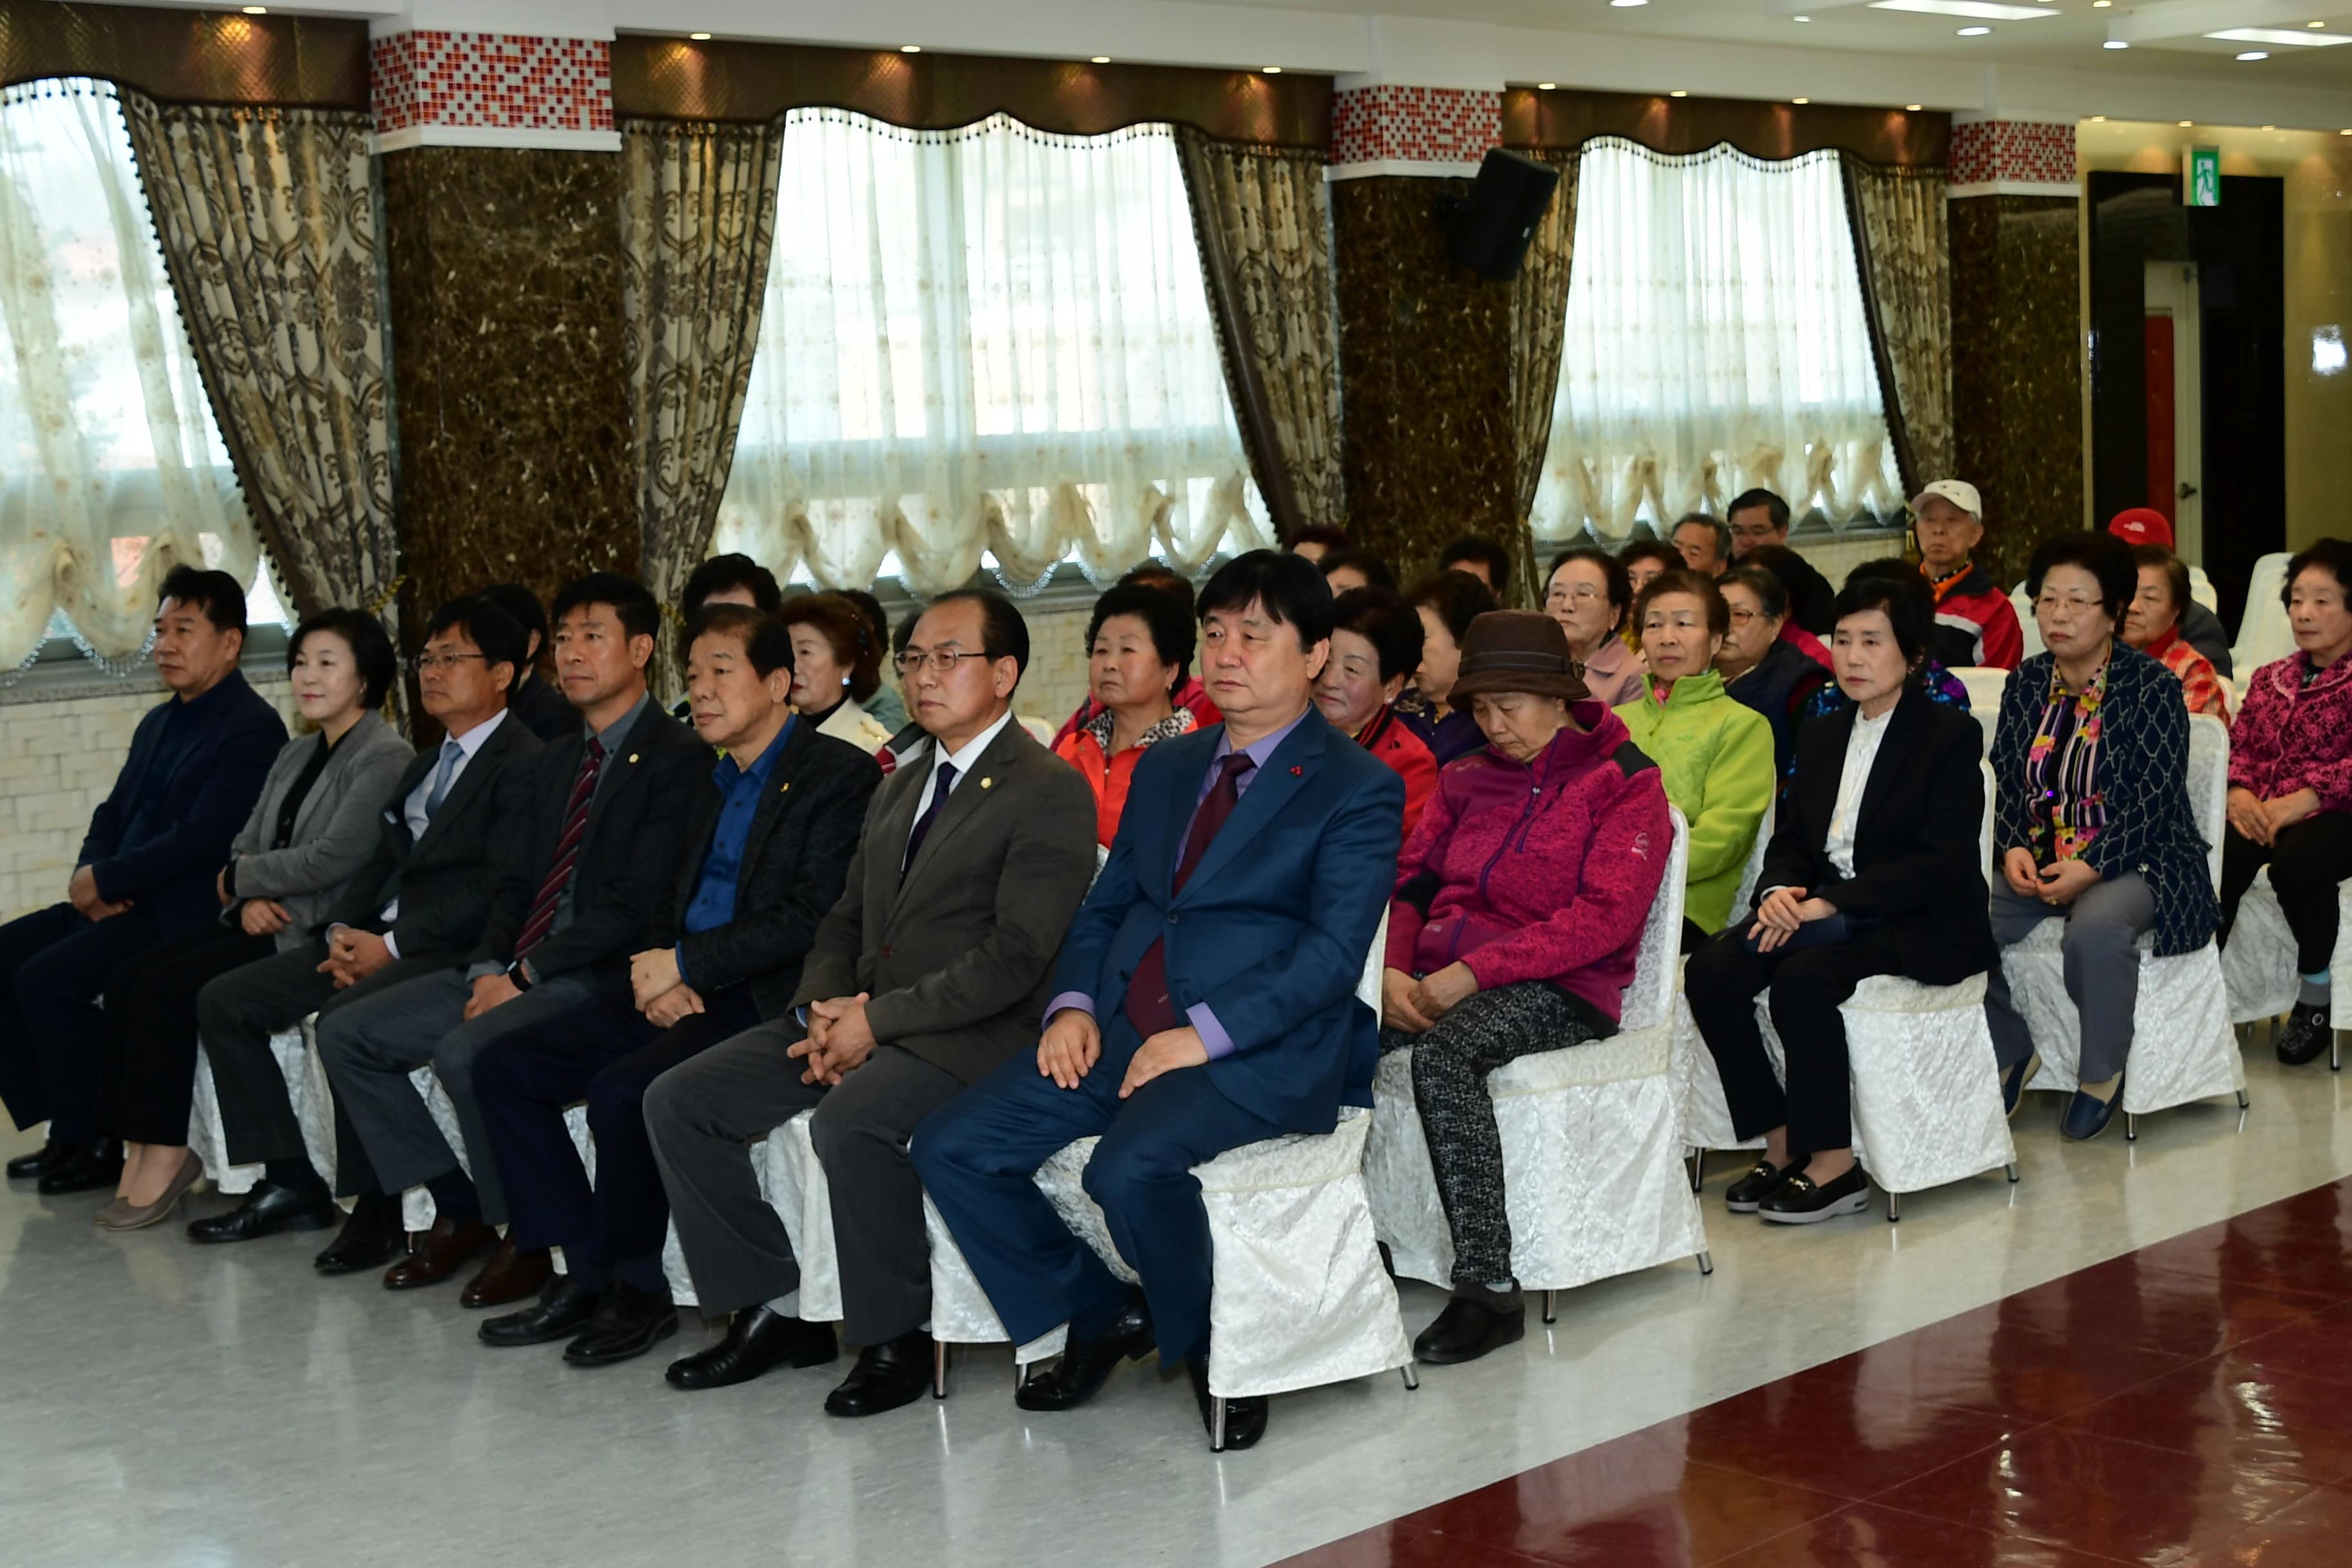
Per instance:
{"type": "Point", "coordinates": [629, 1321]}
{"type": "Point", "coordinates": [1468, 1328]}
{"type": "Point", "coordinates": [759, 1339]}
{"type": "Point", "coordinates": [370, 1238]}
{"type": "Point", "coordinates": [1805, 1202]}
{"type": "Point", "coordinates": [267, 1210]}
{"type": "Point", "coordinates": [1743, 1194]}
{"type": "Point", "coordinates": [562, 1311]}
{"type": "Point", "coordinates": [1244, 1418]}
{"type": "Point", "coordinates": [2302, 1040]}
{"type": "Point", "coordinates": [894, 1373]}
{"type": "Point", "coordinates": [1079, 1375]}
{"type": "Point", "coordinates": [91, 1165]}
{"type": "Point", "coordinates": [40, 1161]}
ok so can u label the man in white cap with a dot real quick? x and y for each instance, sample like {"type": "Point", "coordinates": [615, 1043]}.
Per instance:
{"type": "Point", "coordinates": [1975, 623]}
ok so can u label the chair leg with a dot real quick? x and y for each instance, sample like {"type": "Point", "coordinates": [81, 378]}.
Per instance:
{"type": "Point", "coordinates": [1020, 1375]}
{"type": "Point", "coordinates": [2335, 1051]}
{"type": "Point", "coordinates": [1893, 1208]}
{"type": "Point", "coordinates": [2131, 1128]}
{"type": "Point", "coordinates": [1552, 1303]}
{"type": "Point", "coordinates": [2242, 1100]}
{"type": "Point", "coordinates": [1216, 1425]}
{"type": "Point", "coordinates": [1411, 1377]}
{"type": "Point", "coordinates": [939, 1369]}
{"type": "Point", "coordinates": [1705, 1265]}
{"type": "Point", "coordinates": [1699, 1169]}
{"type": "Point", "coordinates": [2012, 1171]}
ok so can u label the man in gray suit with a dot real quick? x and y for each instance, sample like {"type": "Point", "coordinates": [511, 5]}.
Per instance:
{"type": "Point", "coordinates": [931, 971]}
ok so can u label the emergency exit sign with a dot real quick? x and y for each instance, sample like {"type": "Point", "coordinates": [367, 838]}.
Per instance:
{"type": "Point", "coordinates": [2200, 177]}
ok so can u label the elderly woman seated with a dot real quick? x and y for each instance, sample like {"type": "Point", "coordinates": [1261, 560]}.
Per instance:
{"type": "Point", "coordinates": [1760, 669]}
{"type": "Point", "coordinates": [2291, 784]}
{"type": "Point", "coordinates": [2090, 761]}
{"type": "Point", "coordinates": [836, 665]}
{"type": "Point", "coordinates": [1935, 683]}
{"type": "Point", "coordinates": [1716, 756]}
{"type": "Point", "coordinates": [1874, 868]}
{"type": "Point", "coordinates": [1447, 602]}
{"type": "Point", "coordinates": [1518, 911]}
{"type": "Point", "coordinates": [1141, 642]}
{"type": "Point", "coordinates": [2152, 624]}
{"type": "Point", "coordinates": [1375, 645]}
{"type": "Point", "coordinates": [1591, 597]}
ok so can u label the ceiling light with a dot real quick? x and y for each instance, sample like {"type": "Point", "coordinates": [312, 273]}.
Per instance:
{"type": "Point", "coordinates": [2347, 132]}
{"type": "Point", "coordinates": [1800, 101]}
{"type": "Point", "coordinates": [2270, 127]}
{"type": "Point", "coordinates": [1627, 4]}
{"type": "Point", "coordinates": [910, 48]}
{"type": "Point", "coordinates": [1910, 109]}
{"type": "Point", "coordinates": [700, 38]}
{"type": "Point", "coordinates": [2253, 55]}
{"type": "Point", "coordinates": [1988, 10]}
{"type": "Point", "coordinates": [2101, 5]}
{"type": "Point", "coordinates": [1546, 85]}
{"type": "Point", "coordinates": [2280, 36]}
{"type": "Point", "coordinates": [255, 10]}
{"type": "Point", "coordinates": [1271, 70]}
{"type": "Point", "coordinates": [1679, 92]}
{"type": "Point", "coordinates": [1974, 32]}
{"type": "Point", "coordinates": [2114, 44]}
{"type": "Point", "coordinates": [1102, 59]}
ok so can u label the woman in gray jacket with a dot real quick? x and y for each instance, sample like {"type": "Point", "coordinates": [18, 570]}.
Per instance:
{"type": "Point", "coordinates": [311, 829]}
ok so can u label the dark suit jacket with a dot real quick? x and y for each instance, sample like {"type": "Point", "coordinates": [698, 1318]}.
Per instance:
{"type": "Point", "coordinates": [1273, 926]}
{"type": "Point", "coordinates": [232, 736]}
{"type": "Point", "coordinates": [445, 878]}
{"type": "Point", "coordinates": [957, 955]}
{"type": "Point", "coordinates": [1810, 594]}
{"type": "Point", "coordinates": [1918, 861]}
{"type": "Point", "coordinates": [795, 859]}
{"type": "Point", "coordinates": [542, 708]}
{"type": "Point", "coordinates": [627, 861]}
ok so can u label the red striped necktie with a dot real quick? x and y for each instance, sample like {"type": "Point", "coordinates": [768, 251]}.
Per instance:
{"type": "Point", "coordinates": [1147, 1007]}
{"type": "Point", "coordinates": [567, 852]}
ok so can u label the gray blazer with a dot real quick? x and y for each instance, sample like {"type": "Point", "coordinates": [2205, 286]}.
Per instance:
{"type": "Point", "coordinates": [958, 955]}
{"type": "Point", "coordinates": [334, 830]}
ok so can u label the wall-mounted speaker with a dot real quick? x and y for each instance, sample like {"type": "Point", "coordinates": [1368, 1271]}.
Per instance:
{"type": "Point", "coordinates": [1494, 226]}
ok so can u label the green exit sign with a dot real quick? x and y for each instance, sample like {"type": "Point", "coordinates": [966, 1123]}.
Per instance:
{"type": "Point", "coordinates": [2200, 177]}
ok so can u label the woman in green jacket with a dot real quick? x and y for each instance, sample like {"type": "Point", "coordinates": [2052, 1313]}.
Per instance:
{"type": "Point", "coordinates": [1714, 753]}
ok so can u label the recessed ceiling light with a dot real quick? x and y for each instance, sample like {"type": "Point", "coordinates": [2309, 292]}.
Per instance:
{"type": "Point", "coordinates": [255, 10]}
{"type": "Point", "coordinates": [1910, 109]}
{"type": "Point", "coordinates": [2114, 44]}
{"type": "Point", "coordinates": [2277, 36]}
{"type": "Point", "coordinates": [2099, 119]}
{"type": "Point", "coordinates": [1271, 70]}
{"type": "Point", "coordinates": [1102, 59]}
{"type": "Point", "coordinates": [1627, 4]}
{"type": "Point", "coordinates": [1546, 85]}
{"type": "Point", "coordinates": [2345, 133]}
{"type": "Point", "coordinates": [910, 48]}
{"type": "Point", "coordinates": [2254, 55]}
{"type": "Point", "coordinates": [1986, 10]}
{"type": "Point", "coordinates": [1679, 92]}
{"type": "Point", "coordinates": [700, 38]}
{"type": "Point", "coordinates": [2101, 5]}
{"type": "Point", "coordinates": [1974, 32]}
{"type": "Point", "coordinates": [1800, 101]}
{"type": "Point", "coordinates": [2187, 123]}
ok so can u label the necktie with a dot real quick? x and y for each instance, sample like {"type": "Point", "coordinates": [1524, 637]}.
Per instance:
{"type": "Point", "coordinates": [567, 851]}
{"type": "Point", "coordinates": [451, 754]}
{"type": "Point", "coordinates": [1147, 1007]}
{"type": "Point", "coordinates": [939, 787]}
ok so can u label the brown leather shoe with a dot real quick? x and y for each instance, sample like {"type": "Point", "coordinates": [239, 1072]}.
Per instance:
{"type": "Point", "coordinates": [508, 1277]}
{"type": "Point", "coordinates": [439, 1253]}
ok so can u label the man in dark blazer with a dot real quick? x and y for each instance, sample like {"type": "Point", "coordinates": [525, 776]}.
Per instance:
{"type": "Point", "coordinates": [770, 837]}
{"type": "Point", "coordinates": [927, 975]}
{"type": "Point", "coordinates": [145, 872]}
{"type": "Point", "coordinates": [608, 824]}
{"type": "Point", "coordinates": [1205, 998]}
{"type": "Point", "coordinates": [460, 811]}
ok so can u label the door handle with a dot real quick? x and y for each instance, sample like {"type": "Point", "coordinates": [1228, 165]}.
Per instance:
{"type": "Point", "coordinates": [2186, 490]}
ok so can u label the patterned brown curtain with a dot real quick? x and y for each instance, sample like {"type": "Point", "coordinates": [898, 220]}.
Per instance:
{"type": "Point", "coordinates": [698, 220]}
{"type": "Point", "coordinates": [1262, 221]}
{"type": "Point", "coordinates": [267, 218]}
{"type": "Point", "coordinates": [1902, 251]}
{"type": "Point", "coordinates": [1538, 312]}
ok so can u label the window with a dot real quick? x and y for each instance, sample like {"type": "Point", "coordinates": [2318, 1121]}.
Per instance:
{"type": "Point", "coordinates": [985, 344]}
{"type": "Point", "coordinates": [110, 466]}
{"type": "Point", "coordinates": [1714, 341]}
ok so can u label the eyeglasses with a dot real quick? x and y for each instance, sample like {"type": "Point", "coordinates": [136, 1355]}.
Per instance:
{"type": "Point", "coordinates": [943, 659]}
{"type": "Point", "coordinates": [1740, 618]}
{"type": "Point", "coordinates": [424, 661]}
{"type": "Point", "coordinates": [1582, 593]}
{"type": "Point", "coordinates": [2067, 604]}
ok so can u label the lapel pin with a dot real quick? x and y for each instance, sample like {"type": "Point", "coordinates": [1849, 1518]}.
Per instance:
{"type": "Point", "coordinates": [783, 787]}
{"type": "Point", "coordinates": [633, 757]}
{"type": "Point", "coordinates": [1298, 773]}
{"type": "Point", "coordinates": [988, 782]}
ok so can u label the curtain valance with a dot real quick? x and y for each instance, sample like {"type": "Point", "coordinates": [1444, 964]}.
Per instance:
{"type": "Point", "coordinates": [1568, 118]}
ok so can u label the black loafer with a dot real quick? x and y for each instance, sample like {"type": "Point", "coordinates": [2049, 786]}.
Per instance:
{"type": "Point", "coordinates": [1468, 1328]}
{"type": "Point", "coordinates": [39, 1163]}
{"type": "Point", "coordinates": [2013, 1082]}
{"type": "Point", "coordinates": [1244, 1418]}
{"type": "Point", "coordinates": [760, 1339]}
{"type": "Point", "coordinates": [268, 1209]}
{"type": "Point", "coordinates": [1743, 1194]}
{"type": "Point", "coordinates": [564, 1308]}
{"type": "Point", "coordinates": [1079, 1375]}
{"type": "Point", "coordinates": [2087, 1115]}
{"type": "Point", "coordinates": [629, 1321]}
{"type": "Point", "coordinates": [2305, 1039]}
{"type": "Point", "coordinates": [887, 1375]}
{"type": "Point", "coordinates": [1804, 1202]}
{"type": "Point", "coordinates": [90, 1166]}
{"type": "Point", "coordinates": [370, 1238]}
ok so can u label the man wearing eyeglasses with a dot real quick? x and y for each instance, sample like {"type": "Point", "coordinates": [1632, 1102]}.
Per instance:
{"type": "Point", "coordinates": [931, 971]}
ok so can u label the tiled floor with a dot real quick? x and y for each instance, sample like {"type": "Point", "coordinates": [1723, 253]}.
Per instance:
{"type": "Point", "coordinates": [2187, 1403]}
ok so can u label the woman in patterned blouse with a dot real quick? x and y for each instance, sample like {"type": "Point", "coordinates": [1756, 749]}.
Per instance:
{"type": "Point", "coordinates": [2153, 626]}
{"type": "Point", "coordinates": [1140, 645]}
{"type": "Point", "coordinates": [2092, 824]}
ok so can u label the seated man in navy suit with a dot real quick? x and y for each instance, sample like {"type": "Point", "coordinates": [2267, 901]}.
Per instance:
{"type": "Point", "coordinates": [1205, 998]}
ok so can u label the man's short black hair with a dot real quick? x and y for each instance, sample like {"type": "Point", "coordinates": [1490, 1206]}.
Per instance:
{"type": "Point", "coordinates": [2107, 559]}
{"type": "Point", "coordinates": [1002, 633]}
{"type": "Point", "coordinates": [217, 594]}
{"type": "Point", "coordinates": [1668, 558]}
{"type": "Point", "coordinates": [1483, 551]}
{"type": "Point", "coordinates": [906, 632]}
{"type": "Point", "coordinates": [766, 643]}
{"type": "Point", "coordinates": [495, 634]}
{"type": "Point", "coordinates": [1769, 591]}
{"type": "Point", "coordinates": [1903, 598]}
{"type": "Point", "coordinates": [1165, 579]}
{"type": "Point", "coordinates": [1781, 561]}
{"type": "Point", "coordinates": [1376, 571]}
{"type": "Point", "coordinates": [1322, 533]}
{"type": "Point", "coordinates": [1166, 617]}
{"type": "Point", "coordinates": [521, 606]}
{"type": "Point", "coordinates": [1456, 598]}
{"type": "Point", "coordinates": [1774, 507]}
{"type": "Point", "coordinates": [1382, 618]}
{"type": "Point", "coordinates": [632, 602]}
{"type": "Point", "coordinates": [1715, 525]}
{"type": "Point", "coordinates": [371, 652]}
{"type": "Point", "coordinates": [721, 572]}
{"type": "Point", "coordinates": [1288, 587]}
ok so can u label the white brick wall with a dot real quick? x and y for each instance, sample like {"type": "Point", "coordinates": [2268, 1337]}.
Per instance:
{"type": "Point", "coordinates": [58, 759]}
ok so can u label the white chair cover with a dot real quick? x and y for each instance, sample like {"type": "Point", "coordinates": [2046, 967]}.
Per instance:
{"type": "Point", "coordinates": [2182, 1045]}
{"type": "Point", "coordinates": [1985, 683]}
{"type": "Point", "coordinates": [2202, 589]}
{"type": "Point", "coordinates": [1592, 1174]}
{"type": "Point", "coordinates": [2263, 632]}
{"type": "Point", "coordinates": [2026, 624]}
{"type": "Point", "coordinates": [1744, 899]}
{"type": "Point", "coordinates": [2259, 963]}
{"type": "Point", "coordinates": [306, 1087]}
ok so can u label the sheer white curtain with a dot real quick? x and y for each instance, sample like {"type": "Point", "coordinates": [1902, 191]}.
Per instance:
{"type": "Point", "coordinates": [1714, 341]}
{"type": "Point", "coordinates": [985, 340]}
{"type": "Point", "coordinates": [111, 470]}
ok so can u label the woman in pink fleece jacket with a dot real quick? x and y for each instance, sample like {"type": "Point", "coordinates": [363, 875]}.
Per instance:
{"type": "Point", "coordinates": [1519, 906]}
{"type": "Point", "coordinates": [2291, 785]}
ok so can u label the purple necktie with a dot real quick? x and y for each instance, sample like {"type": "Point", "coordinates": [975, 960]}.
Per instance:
{"type": "Point", "coordinates": [1148, 1007]}
{"type": "Point", "coordinates": [939, 787]}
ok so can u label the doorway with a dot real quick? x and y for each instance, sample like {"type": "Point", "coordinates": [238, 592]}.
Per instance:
{"type": "Point", "coordinates": [2176, 402]}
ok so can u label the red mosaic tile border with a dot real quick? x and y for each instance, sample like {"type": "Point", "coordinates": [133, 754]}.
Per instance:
{"type": "Point", "coordinates": [1414, 125]}
{"type": "Point", "coordinates": [490, 79]}
{"type": "Point", "coordinates": [2030, 150]}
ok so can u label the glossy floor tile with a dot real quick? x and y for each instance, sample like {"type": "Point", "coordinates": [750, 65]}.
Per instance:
{"type": "Point", "coordinates": [2135, 1354]}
